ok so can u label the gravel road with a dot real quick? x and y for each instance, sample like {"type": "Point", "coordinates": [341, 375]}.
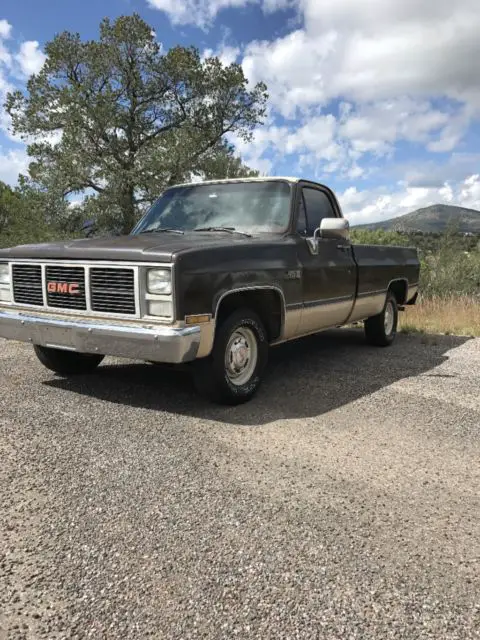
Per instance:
{"type": "Point", "coordinates": [342, 503]}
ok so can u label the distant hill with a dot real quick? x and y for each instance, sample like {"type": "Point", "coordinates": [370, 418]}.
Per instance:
{"type": "Point", "coordinates": [434, 219]}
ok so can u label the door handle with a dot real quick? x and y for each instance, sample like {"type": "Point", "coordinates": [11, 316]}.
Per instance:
{"type": "Point", "coordinates": [343, 247]}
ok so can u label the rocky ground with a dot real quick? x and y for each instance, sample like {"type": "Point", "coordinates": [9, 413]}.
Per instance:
{"type": "Point", "coordinates": [342, 503]}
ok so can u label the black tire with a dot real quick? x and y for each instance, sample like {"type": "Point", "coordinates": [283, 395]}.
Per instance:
{"type": "Point", "coordinates": [212, 376]}
{"type": "Point", "coordinates": [67, 363]}
{"type": "Point", "coordinates": [378, 331]}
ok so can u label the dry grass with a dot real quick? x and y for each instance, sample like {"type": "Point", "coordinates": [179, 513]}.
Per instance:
{"type": "Point", "coordinates": [456, 315]}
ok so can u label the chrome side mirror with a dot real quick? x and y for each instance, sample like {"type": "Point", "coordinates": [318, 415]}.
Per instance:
{"type": "Point", "coordinates": [330, 229]}
{"type": "Point", "coordinates": [335, 228]}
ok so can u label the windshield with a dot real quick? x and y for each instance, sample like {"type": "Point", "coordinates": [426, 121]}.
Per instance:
{"type": "Point", "coordinates": [248, 207]}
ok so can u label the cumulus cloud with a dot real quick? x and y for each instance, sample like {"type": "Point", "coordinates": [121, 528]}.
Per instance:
{"type": "Point", "coordinates": [470, 193]}
{"type": "Point", "coordinates": [225, 53]}
{"type": "Point", "coordinates": [16, 63]}
{"type": "Point", "coordinates": [202, 12]}
{"type": "Point", "coordinates": [374, 50]}
{"type": "Point", "coordinates": [5, 57]}
{"type": "Point", "coordinates": [376, 127]}
{"type": "Point", "coordinates": [30, 57]}
{"type": "Point", "coordinates": [12, 163]}
{"type": "Point", "coordinates": [293, 68]}
{"type": "Point", "coordinates": [423, 40]}
{"type": "Point", "coordinates": [427, 173]}
{"type": "Point", "coordinates": [5, 29]}
{"type": "Point", "coordinates": [198, 12]}
{"type": "Point", "coordinates": [5, 64]}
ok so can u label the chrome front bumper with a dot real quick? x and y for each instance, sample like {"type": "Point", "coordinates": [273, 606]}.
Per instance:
{"type": "Point", "coordinates": [161, 344]}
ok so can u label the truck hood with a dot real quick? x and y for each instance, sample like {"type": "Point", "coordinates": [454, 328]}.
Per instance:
{"type": "Point", "coordinates": [154, 247]}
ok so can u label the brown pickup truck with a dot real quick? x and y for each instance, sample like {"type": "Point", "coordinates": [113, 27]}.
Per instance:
{"type": "Point", "coordinates": [213, 275]}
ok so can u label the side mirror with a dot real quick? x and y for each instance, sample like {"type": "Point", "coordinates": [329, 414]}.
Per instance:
{"type": "Point", "coordinates": [330, 229]}
{"type": "Point", "coordinates": [335, 228]}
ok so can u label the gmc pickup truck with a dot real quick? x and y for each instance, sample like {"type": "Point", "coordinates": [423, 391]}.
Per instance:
{"type": "Point", "coordinates": [213, 275]}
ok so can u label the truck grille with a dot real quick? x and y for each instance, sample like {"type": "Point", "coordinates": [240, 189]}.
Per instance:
{"type": "Point", "coordinates": [27, 284]}
{"type": "Point", "coordinates": [112, 290]}
{"type": "Point", "coordinates": [66, 287]}
{"type": "Point", "coordinates": [109, 290]}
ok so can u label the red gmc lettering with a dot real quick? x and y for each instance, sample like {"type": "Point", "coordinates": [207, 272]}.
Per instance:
{"type": "Point", "coordinates": [63, 287]}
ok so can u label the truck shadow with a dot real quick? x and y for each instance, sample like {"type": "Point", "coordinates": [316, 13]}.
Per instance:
{"type": "Point", "coordinates": [305, 378]}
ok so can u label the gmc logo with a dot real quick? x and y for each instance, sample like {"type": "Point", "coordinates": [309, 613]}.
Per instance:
{"type": "Point", "coordinates": [71, 288]}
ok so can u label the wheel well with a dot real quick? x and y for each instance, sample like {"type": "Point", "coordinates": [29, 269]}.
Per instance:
{"type": "Point", "coordinates": [399, 289]}
{"type": "Point", "coordinates": [267, 303]}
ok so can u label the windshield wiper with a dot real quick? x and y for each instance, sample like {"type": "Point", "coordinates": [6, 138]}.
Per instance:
{"type": "Point", "coordinates": [228, 229]}
{"type": "Point", "coordinates": [162, 230]}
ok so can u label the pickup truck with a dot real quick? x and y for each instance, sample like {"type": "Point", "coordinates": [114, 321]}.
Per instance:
{"type": "Point", "coordinates": [213, 275]}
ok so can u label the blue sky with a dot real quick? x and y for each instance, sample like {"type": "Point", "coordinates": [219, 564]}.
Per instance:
{"type": "Point", "coordinates": [379, 98]}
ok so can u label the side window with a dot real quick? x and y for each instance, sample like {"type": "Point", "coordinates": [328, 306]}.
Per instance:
{"type": "Point", "coordinates": [318, 206]}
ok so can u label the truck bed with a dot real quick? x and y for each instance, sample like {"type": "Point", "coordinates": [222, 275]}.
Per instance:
{"type": "Point", "coordinates": [378, 265]}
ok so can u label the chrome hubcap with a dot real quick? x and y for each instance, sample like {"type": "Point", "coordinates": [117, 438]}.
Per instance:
{"type": "Point", "coordinates": [389, 318]}
{"type": "Point", "coordinates": [241, 356]}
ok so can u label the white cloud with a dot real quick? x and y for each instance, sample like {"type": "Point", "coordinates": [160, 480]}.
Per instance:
{"type": "Point", "coordinates": [199, 12]}
{"type": "Point", "coordinates": [30, 57]}
{"type": "Point", "coordinates": [202, 12]}
{"type": "Point", "coordinates": [5, 57]}
{"type": "Point", "coordinates": [446, 193]}
{"type": "Point", "coordinates": [12, 163]}
{"type": "Point", "coordinates": [225, 53]}
{"type": "Point", "coordinates": [293, 69]}
{"type": "Point", "coordinates": [376, 127]}
{"type": "Point", "coordinates": [390, 63]}
{"type": "Point", "coordinates": [470, 193]}
{"type": "Point", "coordinates": [375, 205]}
{"type": "Point", "coordinates": [327, 144]}
{"type": "Point", "coordinates": [270, 6]}
{"type": "Point", "coordinates": [252, 153]}
{"type": "Point", "coordinates": [15, 66]}
{"type": "Point", "coordinates": [375, 50]}
{"type": "Point", "coordinates": [5, 63]}
{"type": "Point", "coordinates": [426, 173]}
{"type": "Point", "coordinates": [5, 29]}
{"type": "Point", "coordinates": [26, 60]}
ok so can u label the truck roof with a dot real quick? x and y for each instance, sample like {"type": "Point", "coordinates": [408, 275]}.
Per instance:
{"type": "Point", "coordinates": [226, 180]}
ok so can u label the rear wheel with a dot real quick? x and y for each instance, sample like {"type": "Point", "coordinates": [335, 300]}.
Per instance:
{"type": "Point", "coordinates": [67, 362]}
{"type": "Point", "coordinates": [380, 330]}
{"type": "Point", "coordinates": [233, 372]}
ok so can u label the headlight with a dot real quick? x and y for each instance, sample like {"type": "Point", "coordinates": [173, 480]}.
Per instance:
{"type": "Point", "coordinates": [159, 281]}
{"type": "Point", "coordinates": [4, 275]}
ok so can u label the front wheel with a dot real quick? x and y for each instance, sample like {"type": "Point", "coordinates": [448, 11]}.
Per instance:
{"type": "Point", "coordinates": [380, 330]}
{"type": "Point", "coordinates": [233, 372]}
{"type": "Point", "coordinates": [67, 362]}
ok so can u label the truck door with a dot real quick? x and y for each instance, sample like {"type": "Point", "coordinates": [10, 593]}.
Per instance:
{"type": "Point", "coordinates": [329, 277]}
